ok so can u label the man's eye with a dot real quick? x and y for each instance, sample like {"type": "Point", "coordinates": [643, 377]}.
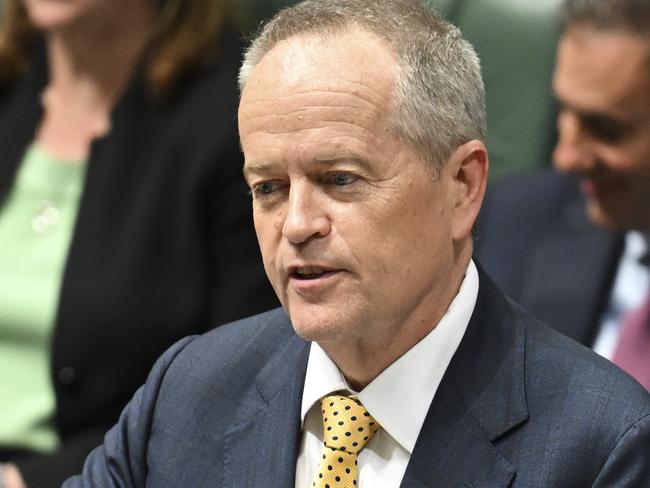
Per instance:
{"type": "Point", "coordinates": [265, 188]}
{"type": "Point", "coordinates": [342, 179]}
{"type": "Point", "coordinates": [607, 130]}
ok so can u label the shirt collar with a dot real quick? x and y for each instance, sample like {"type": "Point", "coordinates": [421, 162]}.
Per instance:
{"type": "Point", "coordinates": [637, 245]}
{"type": "Point", "coordinates": [399, 398]}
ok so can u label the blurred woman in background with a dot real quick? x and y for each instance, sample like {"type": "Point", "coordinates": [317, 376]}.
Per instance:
{"type": "Point", "coordinates": [124, 218]}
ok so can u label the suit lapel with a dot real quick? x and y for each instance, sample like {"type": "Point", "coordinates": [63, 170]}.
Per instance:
{"type": "Point", "coordinates": [481, 397]}
{"type": "Point", "coordinates": [262, 446]}
{"type": "Point", "coordinates": [570, 274]}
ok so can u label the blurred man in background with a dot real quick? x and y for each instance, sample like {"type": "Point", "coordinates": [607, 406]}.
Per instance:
{"type": "Point", "coordinates": [572, 245]}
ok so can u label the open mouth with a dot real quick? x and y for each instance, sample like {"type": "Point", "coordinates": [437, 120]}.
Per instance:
{"type": "Point", "coordinates": [310, 273]}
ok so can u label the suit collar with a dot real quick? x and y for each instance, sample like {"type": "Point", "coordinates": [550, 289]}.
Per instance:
{"type": "Point", "coordinates": [263, 443]}
{"type": "Point", "coordinates": [482, 397]}
{"type": "Point", "coordinates": [570, 273]}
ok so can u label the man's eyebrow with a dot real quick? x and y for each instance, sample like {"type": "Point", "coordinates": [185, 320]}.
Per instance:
{"type": "Point", "coordinates": [260, 168]}
{"type": "Point", "coordinates": [324, 159]}
{"type": "Point", "coordinates": [590, 114]}
{"type": "Point", "coordinates": [603, 120]}
{"type": "Point", "coordinates": [342, 157]}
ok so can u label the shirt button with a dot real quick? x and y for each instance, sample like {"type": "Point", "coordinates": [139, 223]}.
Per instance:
{"type": "Point", "coordinates": [45, 217]}
{"type": "Point", "coordinates": [66, 375]}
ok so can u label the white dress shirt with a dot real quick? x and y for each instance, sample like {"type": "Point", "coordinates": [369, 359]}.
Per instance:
{"type": "Point", "coordinates": [399, 398]}
{"type": "Point", "coordinates": [629, 290]}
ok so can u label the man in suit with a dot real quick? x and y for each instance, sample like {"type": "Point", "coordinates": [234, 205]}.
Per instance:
{"type": "Point", "coordinates": [395, 361]}
{"type": "Point", "coordinates": [569, 244]}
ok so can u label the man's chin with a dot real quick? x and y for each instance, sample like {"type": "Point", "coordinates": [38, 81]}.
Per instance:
{"type": "Point", "coordinates": [316, 324]}
{"type": "Point", "coordinates": [312, 330]}
{"type": "Point", "coordinates": [610, 217]}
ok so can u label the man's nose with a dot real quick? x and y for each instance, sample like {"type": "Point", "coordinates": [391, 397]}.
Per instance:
{"type": "Point", "coordinates": [305, 216]}
{"type": "Point", "coordinates": [573, 152]}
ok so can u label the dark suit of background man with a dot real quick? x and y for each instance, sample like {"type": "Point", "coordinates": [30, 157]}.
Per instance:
{"type": "Point", "coordinates": [568, 244]}
{"type": "Point", "coordinates": [361, 124]}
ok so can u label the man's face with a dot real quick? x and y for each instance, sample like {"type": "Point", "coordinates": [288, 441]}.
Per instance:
{"type": "Point", "coordinates": [602, 81]}
{"type": "Point", "coordinates": [354, 229]}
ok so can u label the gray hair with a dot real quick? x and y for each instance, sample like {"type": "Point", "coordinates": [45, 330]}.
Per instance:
{"type": "Point", "coordinates": [627, 15]}
{"type": "Point", "coordinates": [439, 100]}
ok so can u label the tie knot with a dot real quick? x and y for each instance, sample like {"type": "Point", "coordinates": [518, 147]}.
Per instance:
{"type": "Point", "coordinates": [347, 426]}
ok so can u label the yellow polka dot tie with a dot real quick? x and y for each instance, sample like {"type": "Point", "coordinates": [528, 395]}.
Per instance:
{"type": "Point", "coordinates": [347, 427]}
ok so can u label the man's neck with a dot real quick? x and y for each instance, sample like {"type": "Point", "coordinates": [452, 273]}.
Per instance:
{"type": "Point", "coordinates": [363, 359]}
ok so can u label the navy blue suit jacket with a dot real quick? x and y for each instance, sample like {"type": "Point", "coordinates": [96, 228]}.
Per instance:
{"type": "Point", "coordinates": [519, 405]}
{"type": "Point", "coordinates": [535, 239]}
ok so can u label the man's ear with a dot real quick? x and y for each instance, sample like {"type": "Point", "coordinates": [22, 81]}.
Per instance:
{"type": "Point", "coordinates": [469, 165]}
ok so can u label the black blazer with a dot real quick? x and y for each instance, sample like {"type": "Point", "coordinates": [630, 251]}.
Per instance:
{"type": "Point", "coordinates": [163, 245]}
{"type": "Point", "coordinates": [537, 242]}
{"type": "Point", "coordinates": [519, 406]}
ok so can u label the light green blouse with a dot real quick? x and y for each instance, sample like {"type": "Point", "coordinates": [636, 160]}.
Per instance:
{"type": "Point", "coordinates": [36, 224]}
